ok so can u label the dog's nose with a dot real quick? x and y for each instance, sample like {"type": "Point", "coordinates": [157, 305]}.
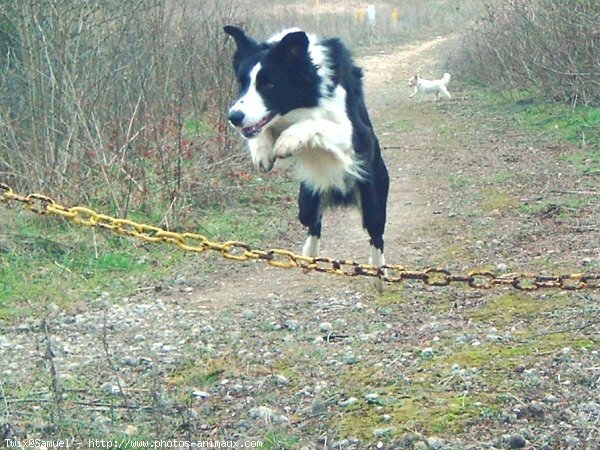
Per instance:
{"type": "Point", "coordinates": [236, 117]}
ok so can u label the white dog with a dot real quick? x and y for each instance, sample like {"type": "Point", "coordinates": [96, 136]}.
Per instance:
{"type": "Point", "coordinates": [424, 86]}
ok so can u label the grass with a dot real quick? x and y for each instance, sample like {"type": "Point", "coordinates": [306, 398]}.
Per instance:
{"type": "Point", "coordinates": [586, 162]}
{"type": "Point", "coordinates": [65, 265]}
{"type": "Point", "coordinates": [505, 309]}
{"type": "Point", "coordinates": [426, 406]}
{"type": "Point", "coordinates": [199, 373]}
{"type": "Point", "coordinates": [194, 127]}
{"type": "Point", "coordinates": [50, 260]}
{"type": "Point", "coordinates": [496, 200]}
{"type": "Point", "coordinates": [579, 125]}
{"type": "Point", "coordinates": [279, 440]}
{"type": "Point", "coordinates": [567, 206]}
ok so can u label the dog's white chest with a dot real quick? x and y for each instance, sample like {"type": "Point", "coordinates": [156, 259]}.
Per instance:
{"type": "Point", "coordinates": [320, 151]}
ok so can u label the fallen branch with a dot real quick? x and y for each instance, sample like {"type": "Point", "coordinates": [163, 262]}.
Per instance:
{"type": "Point", "coordinates": [577, 192]}
{"type": "Point", "coordinates": [55, 386]}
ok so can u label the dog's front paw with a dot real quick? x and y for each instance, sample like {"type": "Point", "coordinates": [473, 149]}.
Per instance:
{"type": "Point", "coordinates": [261, 152]}
{"type": "Point", "coordinates": [264, 165]}
{"type": "Point", "coordinates": [288, 144]}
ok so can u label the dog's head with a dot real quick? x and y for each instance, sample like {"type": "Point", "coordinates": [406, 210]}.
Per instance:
{"type": "Point", "coordinates": [275, 77]}
{"type": "Point", "coordinates": [414, 80]}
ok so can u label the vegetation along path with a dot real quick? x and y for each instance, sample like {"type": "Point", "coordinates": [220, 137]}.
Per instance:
{"type": "Point", "coordinates": [228, 350]}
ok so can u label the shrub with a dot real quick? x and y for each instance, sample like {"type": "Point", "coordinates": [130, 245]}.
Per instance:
{"type": "Point", "coordinates": [548, 47]}
{"type": "Point", "coordinates": [119, 100]}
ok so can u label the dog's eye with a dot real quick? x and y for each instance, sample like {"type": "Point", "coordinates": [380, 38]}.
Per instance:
{"type": "Point", "coordinates": [263, 82]}
{"type": "Point", "coordinates": [243, 80]}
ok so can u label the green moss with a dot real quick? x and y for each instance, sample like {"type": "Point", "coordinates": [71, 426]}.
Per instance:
{"type": "Point", "coordinates": [358, 377]}
{"type": "Point", "coordinates": [278, 439]}
{"type": "Point", "coordinates": [200, 372]}
{"type": "Point", "coordinates": [432, 411]}
{"type": "Point", "coordinates": [452, 414]}
{"type": "Point", "coordinates": [567, 206]}
{"type": "Point", "coordinates": [435, 401]}
{"type": "Point", "coordinates": [491, 356]}
{"type": "Point", "coordinates": [559, 340]}
{"type": "Point", "coordinates": [394, 295]}
{"type": "Point", "coordinates": [505, 309]}
{"type": "Point", "coordinates": [496, 200]}
{"type": "Point", "coordinates": [504, 357]}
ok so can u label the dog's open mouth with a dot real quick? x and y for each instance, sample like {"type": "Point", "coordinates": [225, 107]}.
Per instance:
{"type": "Point", "coordinates": [254, 130]}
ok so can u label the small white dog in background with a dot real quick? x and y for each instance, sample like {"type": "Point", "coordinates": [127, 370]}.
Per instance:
{"type": "Point", "coordinates": [424, 86]}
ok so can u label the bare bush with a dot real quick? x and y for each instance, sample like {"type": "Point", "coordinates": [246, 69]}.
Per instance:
{"type": "Point", "coordinates": [104, 97]}
{"type": "Point", "coordinates": [549, 47]}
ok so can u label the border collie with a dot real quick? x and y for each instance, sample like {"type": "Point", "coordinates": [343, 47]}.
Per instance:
{"type": "Point", "coordinates": [424, 86]}
{"type": "Point", "coordinates": [301, 100]}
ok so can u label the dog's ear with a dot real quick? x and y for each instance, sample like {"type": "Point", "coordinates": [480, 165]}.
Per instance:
{"type": "Point", "coordinates": [245, 44]}
{"type": "Point", "coordinates": [242, 41]}
{"type": "Point", "coordinates": [294, 46]}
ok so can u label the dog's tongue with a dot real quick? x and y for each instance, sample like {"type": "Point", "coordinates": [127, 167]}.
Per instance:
{"type": "Point", "coordinates": [254, 130]}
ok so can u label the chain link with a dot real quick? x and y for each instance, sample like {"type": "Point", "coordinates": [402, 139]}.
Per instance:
{"type": "Point", "coordinates": [239, 251]}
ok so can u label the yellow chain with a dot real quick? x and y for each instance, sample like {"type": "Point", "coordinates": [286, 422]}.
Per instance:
{"type": "Point", "coordinates": [239, 251]}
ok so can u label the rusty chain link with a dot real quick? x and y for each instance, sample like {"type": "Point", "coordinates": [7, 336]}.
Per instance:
{"type": "Point", "coordinates": [239, 251]}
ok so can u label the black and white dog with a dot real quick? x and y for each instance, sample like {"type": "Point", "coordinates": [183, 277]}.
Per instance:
{"type": "Point", "coordinates": [301, 100]}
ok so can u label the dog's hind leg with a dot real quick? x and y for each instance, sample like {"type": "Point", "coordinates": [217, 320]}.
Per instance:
{"type": "Point", "coordinates": [373, 204]}
{"type": "Point", "coordinates": [446, 93]}
{"type": "Point", "coordinates": [310, 216]}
